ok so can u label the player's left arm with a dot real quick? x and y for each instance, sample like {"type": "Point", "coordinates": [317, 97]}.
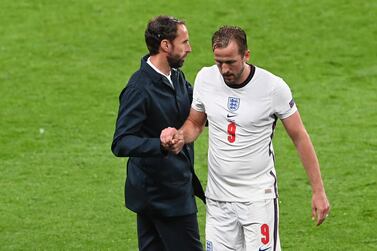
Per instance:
{"type": "Point", "coordinates": [297, 132]}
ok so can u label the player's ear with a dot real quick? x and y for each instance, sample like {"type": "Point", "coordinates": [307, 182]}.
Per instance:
{"type": "Point", "coordinates": [246, 55]}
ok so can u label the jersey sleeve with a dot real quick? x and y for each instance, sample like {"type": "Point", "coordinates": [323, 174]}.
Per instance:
{"type": "Point", "coordinates": [197, 100]}
{"type": "Point", "coordinates": [282, 100]}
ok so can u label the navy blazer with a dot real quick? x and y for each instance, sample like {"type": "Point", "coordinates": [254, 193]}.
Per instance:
{"type": "Point", "coordinates": [157, 182]}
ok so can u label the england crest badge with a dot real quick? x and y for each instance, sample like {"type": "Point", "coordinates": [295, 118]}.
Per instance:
{"type": "Point", "coordinates": [233, 104]}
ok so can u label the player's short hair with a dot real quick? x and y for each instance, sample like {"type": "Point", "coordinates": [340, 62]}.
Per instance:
{"type": "Point", "coordinates": [158, 29]}
{"type": "Point", "coordinates": [226, 34]}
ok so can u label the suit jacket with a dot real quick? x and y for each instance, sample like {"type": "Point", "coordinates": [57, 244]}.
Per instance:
{"type": "Point", "coordinates": [157, 182]}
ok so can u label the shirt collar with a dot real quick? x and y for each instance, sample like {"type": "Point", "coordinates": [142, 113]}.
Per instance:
{"type": "Point", "coordinates": [156, 69]}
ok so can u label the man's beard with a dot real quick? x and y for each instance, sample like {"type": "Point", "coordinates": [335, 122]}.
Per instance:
{"type": "Point", "coordinates": [175, 61]}
{"type": "Point", "coordinates": [236, 77]}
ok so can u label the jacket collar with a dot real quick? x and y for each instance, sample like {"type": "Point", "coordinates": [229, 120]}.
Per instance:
{"type": "Point", "coordinates": [155, 76]}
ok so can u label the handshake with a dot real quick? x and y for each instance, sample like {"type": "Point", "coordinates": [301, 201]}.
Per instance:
{"type": "Point", "coordinates": [172, 140]}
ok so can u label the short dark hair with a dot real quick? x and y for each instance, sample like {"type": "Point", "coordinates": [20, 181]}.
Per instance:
{"type": "Point", "coordinates": [158, 29]}
{"type": "Point", "coordinates": [225, 34]}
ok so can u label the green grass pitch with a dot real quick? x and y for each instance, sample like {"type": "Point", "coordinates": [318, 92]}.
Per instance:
{"type": "Point", "coordinates": [63, 64]}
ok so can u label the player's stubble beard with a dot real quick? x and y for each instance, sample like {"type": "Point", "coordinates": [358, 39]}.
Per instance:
{"type": "Point", "coordinates": [236, 76]}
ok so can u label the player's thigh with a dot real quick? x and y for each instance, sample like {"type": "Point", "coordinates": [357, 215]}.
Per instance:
{"type": "Point", "coordinates": [223, 231]}
{"type": "Point", "coordinates": [261, 226]}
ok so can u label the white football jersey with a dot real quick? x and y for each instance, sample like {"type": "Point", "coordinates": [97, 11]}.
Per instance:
{"type": "Point", "coordinates": [241, 123]}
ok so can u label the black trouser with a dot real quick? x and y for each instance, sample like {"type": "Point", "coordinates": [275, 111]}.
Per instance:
{"type": "Point", "coordinates": [168, 233]}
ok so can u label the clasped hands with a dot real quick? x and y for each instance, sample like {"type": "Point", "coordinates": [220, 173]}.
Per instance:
{"type": "Point", "coordinates": [172, 140]}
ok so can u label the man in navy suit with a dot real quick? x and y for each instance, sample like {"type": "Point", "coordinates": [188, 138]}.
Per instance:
{"type": "Point", "coordinates": [160, 186]}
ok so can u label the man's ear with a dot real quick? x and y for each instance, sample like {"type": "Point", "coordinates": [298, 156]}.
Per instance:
{"type": "Point", "coordinates": [165, 45]}
{"type": "Point", "coordinates": [246, 56]}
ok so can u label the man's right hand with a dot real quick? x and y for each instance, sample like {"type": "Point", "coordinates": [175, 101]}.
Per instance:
{"type": "Point", "coordinates": [172, 140]}
{"type": "Point", "coordinates": [178, 142]}
{"type": "Point", "coordinates": [166, 137]}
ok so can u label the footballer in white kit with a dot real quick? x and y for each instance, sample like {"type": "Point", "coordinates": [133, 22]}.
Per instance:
{"type": "Point", "coordinates": [241, 121]}
{"type": "Point", "coordinates": [242, 104]}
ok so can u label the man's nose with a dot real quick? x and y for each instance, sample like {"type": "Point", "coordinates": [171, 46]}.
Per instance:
{"type": "Point", "coordinates": [224, 68]}
{"type": "Point", "coordinates": [188, 49]}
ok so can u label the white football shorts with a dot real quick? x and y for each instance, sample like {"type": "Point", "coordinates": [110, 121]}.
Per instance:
{"type": "Point", "coordinates": [242, 226]}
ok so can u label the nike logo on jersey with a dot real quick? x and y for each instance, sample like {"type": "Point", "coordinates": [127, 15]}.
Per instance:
{"type": "Point", "coordinates": [231, 115]}
{"type": "Point", "coordinates": [264, 249]}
